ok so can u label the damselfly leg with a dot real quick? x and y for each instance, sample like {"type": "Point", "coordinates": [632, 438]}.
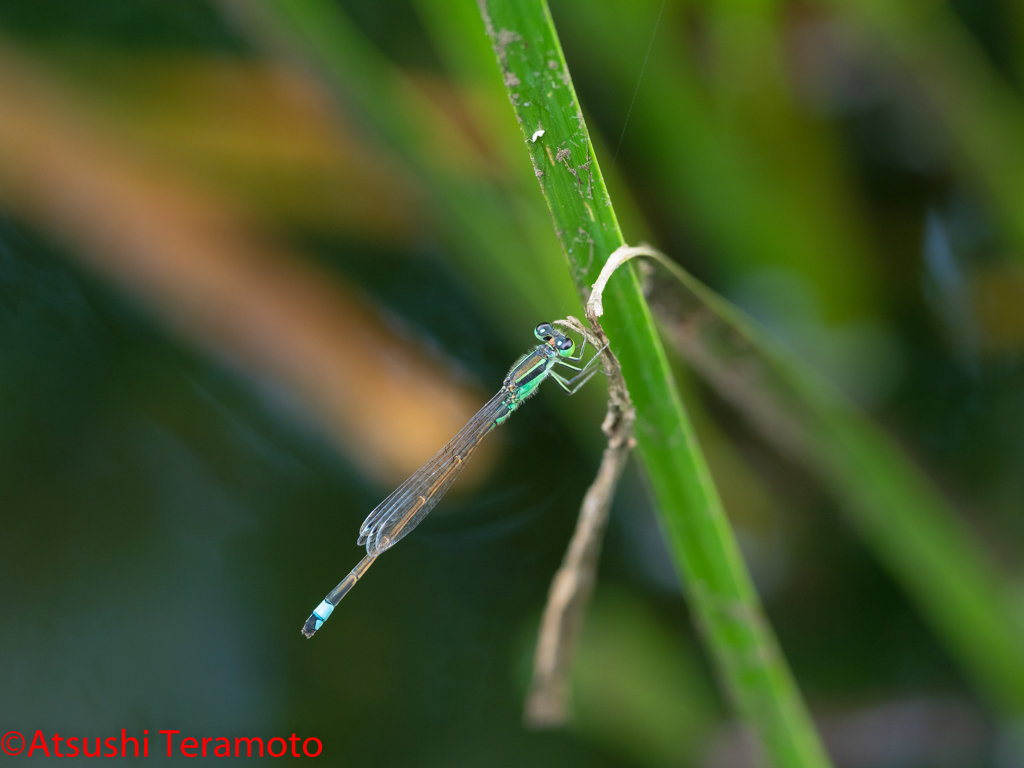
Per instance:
{"type": "Point", "coordinates": [572, 385]}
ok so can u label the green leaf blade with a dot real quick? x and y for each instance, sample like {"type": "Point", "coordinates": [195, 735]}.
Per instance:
{"type": "Point", "coordinates": [725, 605]}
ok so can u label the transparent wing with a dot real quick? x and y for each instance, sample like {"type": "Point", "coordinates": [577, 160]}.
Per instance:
{"type": "Point", "coordinates": [403, 510]}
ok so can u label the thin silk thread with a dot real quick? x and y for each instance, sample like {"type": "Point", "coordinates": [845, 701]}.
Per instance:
{"type": "Point", "coordinates": [650, 45]}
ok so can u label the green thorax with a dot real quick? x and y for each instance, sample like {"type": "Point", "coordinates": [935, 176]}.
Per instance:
{"type": "Point", "coordinates": [526, 375]}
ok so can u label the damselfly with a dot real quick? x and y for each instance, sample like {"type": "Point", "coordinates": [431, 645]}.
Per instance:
{"type": "Point", "coordinates": [403, 510]}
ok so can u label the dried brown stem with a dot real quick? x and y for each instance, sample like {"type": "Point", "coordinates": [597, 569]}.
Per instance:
{"type": "Point", "coordinates": [547, 702]}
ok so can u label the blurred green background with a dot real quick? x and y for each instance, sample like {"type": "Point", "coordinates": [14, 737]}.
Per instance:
{"type": "Point", "coordinates": [246, 286]}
